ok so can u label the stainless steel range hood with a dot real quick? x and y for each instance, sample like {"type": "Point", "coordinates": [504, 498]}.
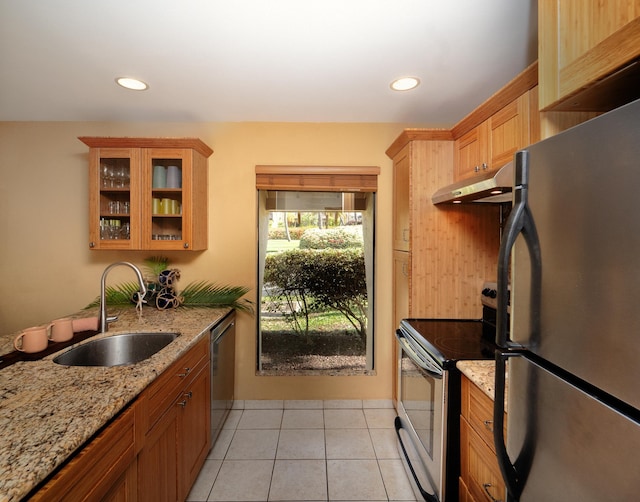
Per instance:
{"type": "Point", "coordinates": [494, 187]}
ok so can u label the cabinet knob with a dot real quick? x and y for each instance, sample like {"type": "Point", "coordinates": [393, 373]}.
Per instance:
{"type": "Point", "coordinates": [488, 424]}
{"type": "Point", "coordinates": [182, 403]}
{"type": "Point", "coordinates": [476, 169]}
{"type": "Point", "coordinates": [92, 244]}
{"type": "Point", "coordinates": [186, 245]}
{"type": "Point", "coordinates": [484, 166]}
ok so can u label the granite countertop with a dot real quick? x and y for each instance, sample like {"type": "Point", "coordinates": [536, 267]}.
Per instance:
{"type": "Point", "coordinates": [48, 411]}
{"type": "Point", "coordinates": [481, 373]}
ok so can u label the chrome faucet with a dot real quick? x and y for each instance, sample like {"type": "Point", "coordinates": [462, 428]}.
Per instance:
{"type": "Point", "coordinates": [104, 320]}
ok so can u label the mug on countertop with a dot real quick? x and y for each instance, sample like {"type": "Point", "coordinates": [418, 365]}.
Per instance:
{"type": "Point", "coordinates": [34, 339]}
{"type": "Point", "coordinates": [85, 324]}
{"type": "Point", "coordinates": [61, 330]}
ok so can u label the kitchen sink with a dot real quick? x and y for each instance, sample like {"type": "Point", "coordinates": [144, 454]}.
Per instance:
{"type": "Point", "coordinates": [116, 350]}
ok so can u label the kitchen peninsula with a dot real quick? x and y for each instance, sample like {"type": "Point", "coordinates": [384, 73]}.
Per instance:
{"type": "Point", "coordinates": [49, 411]}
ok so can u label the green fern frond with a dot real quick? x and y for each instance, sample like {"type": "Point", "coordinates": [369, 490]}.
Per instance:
{"type": "Point", "coordinates": [117, 295]}
{"type": "Point", "coordinates": [206, 294]}
{"type": "Point", "coordinates": [156, 264]}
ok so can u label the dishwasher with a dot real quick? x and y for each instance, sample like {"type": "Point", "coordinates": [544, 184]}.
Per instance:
{"type": "Point", "coordinates": [223, 355]}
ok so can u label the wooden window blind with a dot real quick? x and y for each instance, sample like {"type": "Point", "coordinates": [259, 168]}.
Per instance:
{"type": "Point", "coordinates": [318, 178]}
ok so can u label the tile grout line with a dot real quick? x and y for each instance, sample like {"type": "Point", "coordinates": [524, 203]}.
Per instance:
{"type": "Point", "coordinates": [283, 408]}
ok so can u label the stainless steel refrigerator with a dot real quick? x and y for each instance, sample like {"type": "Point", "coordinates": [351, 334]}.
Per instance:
{"type": "Point", "coordinates": [571, 255]}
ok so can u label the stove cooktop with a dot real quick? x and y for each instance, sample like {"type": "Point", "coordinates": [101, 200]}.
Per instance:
{"type": "Point", "coordinates": [450, 340]}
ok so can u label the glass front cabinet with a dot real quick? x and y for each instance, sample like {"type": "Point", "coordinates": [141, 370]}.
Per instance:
{"type": "Point", "coordinates": [147, 193]}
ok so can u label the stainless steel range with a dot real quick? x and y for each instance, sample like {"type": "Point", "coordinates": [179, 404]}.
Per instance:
{"type": "Point", "coordinates": [428, 407]}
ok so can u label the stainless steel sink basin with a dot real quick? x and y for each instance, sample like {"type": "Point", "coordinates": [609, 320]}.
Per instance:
{"type": "Point", "coordinates": [116, 350]}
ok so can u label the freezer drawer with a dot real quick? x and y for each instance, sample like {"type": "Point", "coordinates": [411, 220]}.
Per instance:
{"type": "Point", "coordinates": [578, 449]}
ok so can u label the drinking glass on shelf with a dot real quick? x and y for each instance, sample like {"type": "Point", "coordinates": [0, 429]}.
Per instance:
{"type": "Point", "coordinates": [114, 207]}
{"type": "Point", "coordinates": [106, 175]}
{"type": "Point", "coordinates": [118, 176]}
{"type": "Point", "coordinates": [104, 230]}
{"type": "Point", "coordinates": [125, 231]}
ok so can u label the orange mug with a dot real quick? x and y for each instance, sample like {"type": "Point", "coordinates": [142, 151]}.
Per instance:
{"type": "Point", "coordinates": [61, 330]}
{"type": "Point", "coordinates": [33, 339]}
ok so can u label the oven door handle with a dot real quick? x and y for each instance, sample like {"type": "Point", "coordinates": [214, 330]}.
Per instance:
{"type": "Point", "coordinates": [429, 497]}
{"type": "Point", "coordinates": [423, 360]}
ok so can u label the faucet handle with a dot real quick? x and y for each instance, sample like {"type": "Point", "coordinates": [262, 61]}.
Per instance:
{"type": "Point", "coordinates": [112, 318]}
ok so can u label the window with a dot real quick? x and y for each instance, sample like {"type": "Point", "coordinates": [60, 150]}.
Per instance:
{"type": "Point", "coordinates": [315, 273]}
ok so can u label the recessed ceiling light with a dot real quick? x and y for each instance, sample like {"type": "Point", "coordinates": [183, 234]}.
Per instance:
{"type": "Point", "coordinates": [132, 83]}
{"type": "Point", "coordinates": [405, 83]}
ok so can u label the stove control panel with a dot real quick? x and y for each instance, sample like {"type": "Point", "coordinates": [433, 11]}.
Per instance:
{"type": "Point", "coordinates": [489, 295]}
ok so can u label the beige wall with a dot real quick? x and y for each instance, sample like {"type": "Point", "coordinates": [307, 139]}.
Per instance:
{"type": "Point", "coordinates": [48, 270]}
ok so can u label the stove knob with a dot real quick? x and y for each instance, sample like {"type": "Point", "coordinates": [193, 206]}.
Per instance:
{"type": "Point", "coordinates": [493, 293]}
{"type": "Point", "coordinates": [486, 291]}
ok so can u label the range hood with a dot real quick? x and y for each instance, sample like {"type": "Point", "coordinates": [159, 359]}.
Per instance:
{"type": "Point", "coordinates": [494, 187]}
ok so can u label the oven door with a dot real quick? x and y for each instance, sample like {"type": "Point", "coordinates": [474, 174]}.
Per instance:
{"type": "Point", "coordinates": [421, 422]}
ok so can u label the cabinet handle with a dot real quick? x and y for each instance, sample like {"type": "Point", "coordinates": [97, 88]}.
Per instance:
{"type": "Point", "coordinates": [488, 424]}
{"type": "Point", "coordinates": [186, 372]}
{"type": "Point", "coordinates": [405, 269]}
{"type": "Point", "coordinates": [182, 403]}
{"type": "Point", "coordinates": [188, 395]}
{"type": "Point", "coordinates": [405, 234]}
{"type": "Point", "coordinates": [486, 487]}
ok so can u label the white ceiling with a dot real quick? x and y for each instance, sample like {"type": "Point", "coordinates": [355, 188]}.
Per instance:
{"type": "Point", "coordinates": [259, 60]}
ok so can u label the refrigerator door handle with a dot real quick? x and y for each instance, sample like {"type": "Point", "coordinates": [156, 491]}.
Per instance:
{"type": "Point", "coordinates": [507, 468]}
{"type": "Point", "coordinates": [520, 221]}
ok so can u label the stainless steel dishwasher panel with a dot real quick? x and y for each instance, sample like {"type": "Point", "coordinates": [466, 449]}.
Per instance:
{"type": "Point", "coordinates": [223, 355]}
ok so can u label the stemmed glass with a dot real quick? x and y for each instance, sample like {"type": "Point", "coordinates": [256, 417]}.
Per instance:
{"type": "Point", "coordinates": [106, 175]}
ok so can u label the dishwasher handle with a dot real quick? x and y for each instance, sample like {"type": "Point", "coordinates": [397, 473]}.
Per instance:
{"type": "Point", "coordinates": [223, 327]}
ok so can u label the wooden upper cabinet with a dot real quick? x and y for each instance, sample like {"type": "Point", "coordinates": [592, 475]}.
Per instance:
{"type": "Point", "coordinates": [472, 152]}
{"type": "Point", "coordinates": [509, 131]}
{"type": "Point", "coordinates": [580, 44]}
{"type": "Point", "coordinates": [147, 193]}
{"type": "Point", "coordinates": [493, 143]}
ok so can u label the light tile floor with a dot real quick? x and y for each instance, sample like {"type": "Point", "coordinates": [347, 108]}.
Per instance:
{"type": "Point", "coordinates": [305, 451]}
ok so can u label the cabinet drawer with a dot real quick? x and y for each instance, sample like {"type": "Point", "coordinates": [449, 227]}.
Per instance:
{"type": "Point", "coordinates": [164, 390]}
{"type": "Point", "coordinates": [477, 409]}
{"type": "Point", "coordinates": [479, 467]}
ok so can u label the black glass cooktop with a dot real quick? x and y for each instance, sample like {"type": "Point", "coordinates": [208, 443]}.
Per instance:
{"type": "Point", "coordinates": [450, 340]}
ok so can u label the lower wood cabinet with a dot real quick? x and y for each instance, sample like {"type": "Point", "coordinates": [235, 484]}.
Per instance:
{"type": "Point", "coordinates": [154, 450]}
{"type": "Point", "coordinates": [480, 478]}
{"type": "Point", "coordinates": [194, 438]}
{"type": "Point", "coordinates": [103, 470]}
{"type": "Point", "coordinates": [177, 443]}
{"type": "Point", "coordinates": [158, 461]}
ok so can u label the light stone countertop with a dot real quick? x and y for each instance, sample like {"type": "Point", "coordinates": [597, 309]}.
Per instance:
{"type": "Point", "coordinates": [481, 373]}
{"type": "Point", "coordinates": [48, 411]}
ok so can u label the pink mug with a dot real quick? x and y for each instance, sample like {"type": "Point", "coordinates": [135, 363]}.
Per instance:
{"type": "Point", "coordinates": [61, 330]}
{"type": "Point", "coordinates": [33, 339]}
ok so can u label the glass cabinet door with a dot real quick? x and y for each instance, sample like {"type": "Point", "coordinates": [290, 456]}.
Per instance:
{"type": "Point", "coordinates": [165, 202]}
{"type": "Point", "coordinates": [114, 180]}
